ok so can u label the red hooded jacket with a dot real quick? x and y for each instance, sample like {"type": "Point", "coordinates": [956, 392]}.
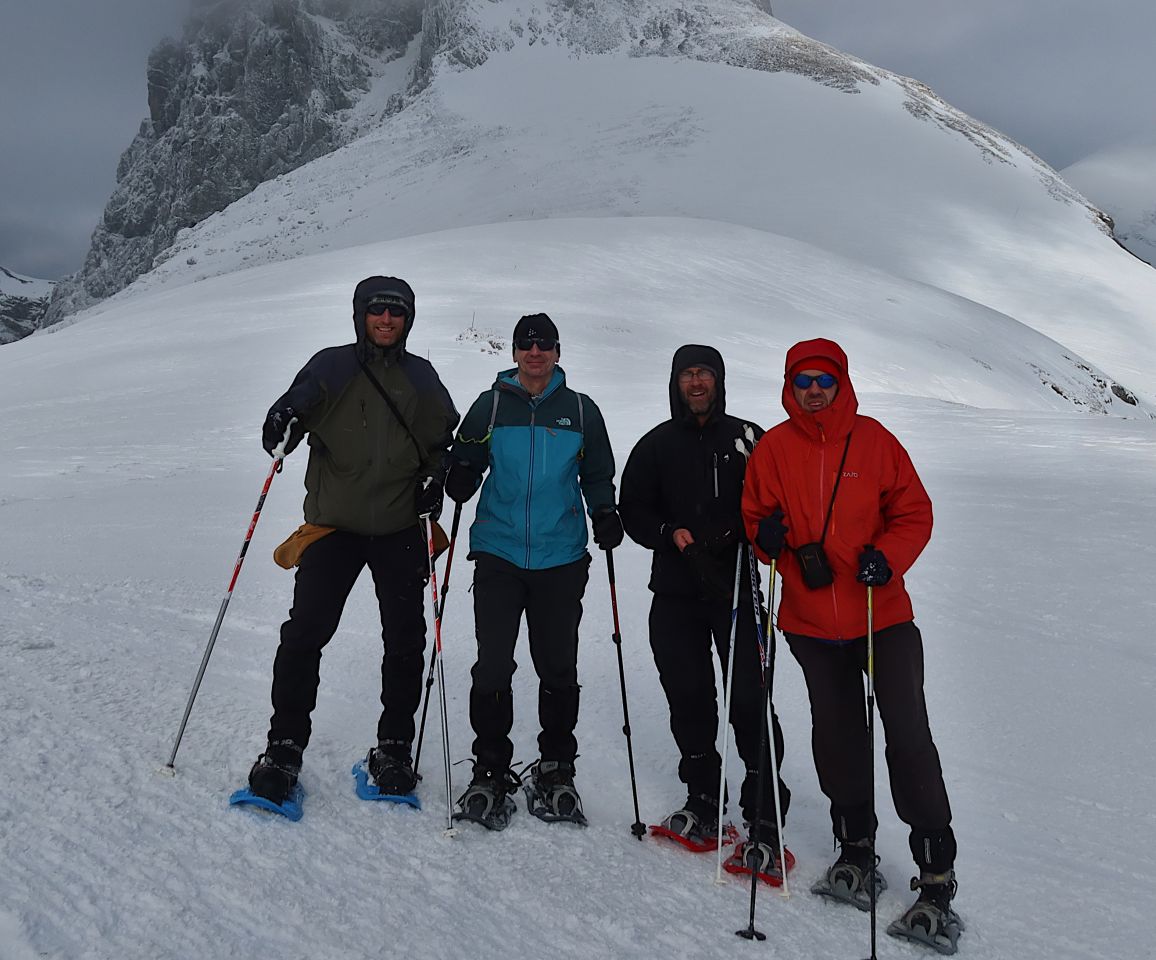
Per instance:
{"type": "Point", "coordinates": [880, 501]}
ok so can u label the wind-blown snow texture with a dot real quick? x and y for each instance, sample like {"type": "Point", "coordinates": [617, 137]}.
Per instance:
{"type": "Point", "coordinates": [132, 462]}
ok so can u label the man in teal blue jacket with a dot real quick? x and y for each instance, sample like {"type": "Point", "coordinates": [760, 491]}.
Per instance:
{"type": "Point", "coordinates": [546, 450]}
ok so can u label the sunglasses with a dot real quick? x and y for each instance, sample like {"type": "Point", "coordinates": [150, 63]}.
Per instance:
{"type": "Point", "coordinates": [825, 380]}
{"type": "Point", "coordinates": [545, 344]}
{"type": "Point", "coordinates": [393, 309]}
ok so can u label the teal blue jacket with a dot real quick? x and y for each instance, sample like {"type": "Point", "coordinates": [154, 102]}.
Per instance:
{"type": "Point", "coordinates": [544, 455]}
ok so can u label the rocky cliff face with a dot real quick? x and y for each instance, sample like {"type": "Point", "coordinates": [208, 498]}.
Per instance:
{"type": "Point", "coordinates": [23, 301]}
{"type": "Point", "coordinates": [254, 89]}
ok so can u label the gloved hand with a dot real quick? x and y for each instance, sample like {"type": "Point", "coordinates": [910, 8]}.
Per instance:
{"type": "Point", "coordinates": [772, 534]}
{"type": "Point", "coordinates": [428, 497]}
{"type": "Point", "coordinates": [874, 571]}
{"type": "Point", "coordinates": [608, 530]}
{"type": "Point", "coordinates": [282, 432]}
{"type": "Point", "coordinates": [462, 481]}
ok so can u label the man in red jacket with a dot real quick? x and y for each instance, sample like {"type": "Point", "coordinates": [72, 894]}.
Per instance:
{"type": "Point", "coordinates": [840, 493]}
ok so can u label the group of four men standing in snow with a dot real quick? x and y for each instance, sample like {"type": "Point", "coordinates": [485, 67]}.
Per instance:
{"type": "Point", "coordinates": [826, 487]}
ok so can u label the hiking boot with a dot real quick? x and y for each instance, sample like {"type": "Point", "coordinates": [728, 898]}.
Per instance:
{"type": "Point", "coordinates": [695, 819]}
{"type": "Point", "coordinates": [391, 769]}
{"type": "Point", "coordinates": [761, 858]}
{"type": "Point", "coordinates": [930, 919]}
{"type": "Point", "coordinates": [550, 794]}
{"type": "Point", "coordinates": [487, 799]}
{"type": "Point", "coordinates": [275, 773]}
{"type": "Point", "coordinates": [850, 877]}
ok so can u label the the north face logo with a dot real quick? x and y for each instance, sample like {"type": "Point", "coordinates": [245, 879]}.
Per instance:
{"type": "Point", "coordinates": [563, 421]}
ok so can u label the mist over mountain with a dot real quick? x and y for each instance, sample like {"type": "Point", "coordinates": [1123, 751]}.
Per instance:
{"type": "Point", "coordinates": [1121, 181]}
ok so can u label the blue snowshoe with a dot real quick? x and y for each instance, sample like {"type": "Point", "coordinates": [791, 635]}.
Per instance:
{"type": "Point", "coordinates": [273, 782]}
{"type": "Point", "coordinates": [386, 776]}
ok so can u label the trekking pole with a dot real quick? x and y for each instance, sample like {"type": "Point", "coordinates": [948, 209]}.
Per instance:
{"type": "Point", "coordinates": [433, 586]}
{"type": "Point", "coordinates": [429, 680]}
{"type": "Point", "coordinates": [275, 468]}
{"type": "Point", "coordinates": [767, 655]}
{"type": "Point", "coordinates": [637, 828]}
{"type": "Point", "coordinates": [724, 733]}
{"type": "Point", "coordinates": [871, 742]}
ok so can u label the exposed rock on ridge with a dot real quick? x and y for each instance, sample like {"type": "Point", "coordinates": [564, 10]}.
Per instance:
{"type": "Point", "coordinates": [253, 90]}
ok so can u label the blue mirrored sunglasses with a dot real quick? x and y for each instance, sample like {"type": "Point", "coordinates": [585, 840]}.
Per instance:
{"type": "Point", "coordinates": [825, 380]}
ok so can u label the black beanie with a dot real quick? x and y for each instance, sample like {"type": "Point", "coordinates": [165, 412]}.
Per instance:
{"type": "Point", "coordinates": [537, 326]}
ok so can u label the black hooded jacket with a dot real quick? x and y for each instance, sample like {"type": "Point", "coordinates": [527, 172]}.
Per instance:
{"type": "Point", "coordinates": [363, 463]}
{"type": "Point", "coordinates": [681, 474]}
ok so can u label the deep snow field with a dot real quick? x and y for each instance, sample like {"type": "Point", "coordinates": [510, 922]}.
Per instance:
{"type": "Point", "coordinates": [132, 463]}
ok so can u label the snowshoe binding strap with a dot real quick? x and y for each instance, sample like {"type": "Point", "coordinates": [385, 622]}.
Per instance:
{"type": "Point", "coordinates": [931, 920]}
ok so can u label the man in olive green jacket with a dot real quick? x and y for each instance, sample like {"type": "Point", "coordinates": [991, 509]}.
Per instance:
{"type": "Point", "coordinates": [379, 422]}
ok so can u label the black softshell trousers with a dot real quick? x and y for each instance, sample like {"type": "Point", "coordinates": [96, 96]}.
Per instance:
{"type": "Point", "coordinates": [685, 633]}
{"type": "Point", "coordinates": [552, 602]}
{"type": "Point", "coordinates": [399, 563]}
{"type": "Point", "coordinates": [834, 674]}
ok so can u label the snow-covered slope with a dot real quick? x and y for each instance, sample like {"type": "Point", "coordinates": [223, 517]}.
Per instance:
{"type": "Point", "coordinates": [842, 156]}
{"type": "Point", "coordinates": [1121, 181]}
{"type": "Point", "coordinates": [132, 463]}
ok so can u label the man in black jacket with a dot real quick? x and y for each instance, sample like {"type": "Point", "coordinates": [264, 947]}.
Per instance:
{"type": "Point", "coordinates": [379, 422]}
{"type": "Point", "coordinates": [681, 497]}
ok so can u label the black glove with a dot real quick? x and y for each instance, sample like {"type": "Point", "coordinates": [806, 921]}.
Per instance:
{"type": "Point", "coordinates": [772, 534]}
{"type": "Point", "coordinates": [428, 497]}
{"type": "Point", "coordinates": [282, 430]}
{"type": "Point", "coordinates": [608, 530]}
{"type": "Point", "coordinates": [462, 481]}
{"type": "Point", "coordinates": [874, 570]}
{"type": "Point", "coordinates": [716, 578]}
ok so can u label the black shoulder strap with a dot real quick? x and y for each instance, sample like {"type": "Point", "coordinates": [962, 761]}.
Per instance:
{"type": "Point", "coordinates": [838, 477]}
{"type": "Point", "coordinates": [421, 455]}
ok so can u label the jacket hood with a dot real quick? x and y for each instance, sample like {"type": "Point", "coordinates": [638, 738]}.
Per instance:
{"type": "Point", "coordinates": [697, 355]}
{"type": "Point", "coordinates": [391, 290]}
{"type": "Point", "coordinates": [835, 422]}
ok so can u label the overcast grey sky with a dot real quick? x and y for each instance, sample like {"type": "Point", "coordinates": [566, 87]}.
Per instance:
{"type": "Point", "coordinates": [1064, 78]}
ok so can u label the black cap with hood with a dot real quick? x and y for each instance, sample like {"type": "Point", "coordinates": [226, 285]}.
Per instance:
{"type": "Point", "coordinates": [697, 355]}
{"type": "Point", "coordinates": [381, 290]}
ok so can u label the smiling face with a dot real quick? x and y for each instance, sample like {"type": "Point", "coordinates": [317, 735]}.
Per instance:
{"type": "Point", "coordinates": [814, 397]}
{"type": "Point", "coordinates": [698, 388]}
{"type": "Point", "coordinates": [385, 323]}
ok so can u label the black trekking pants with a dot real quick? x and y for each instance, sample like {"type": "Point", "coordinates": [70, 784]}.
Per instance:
{"type": "Point", "coordinates": [399, 563]}
{"type": "Point", "coordinates": [834, 674]}
{"type": "Point", "coordinates": [552, 602]}
{"type": "Point", "coordinates": [683, 633]}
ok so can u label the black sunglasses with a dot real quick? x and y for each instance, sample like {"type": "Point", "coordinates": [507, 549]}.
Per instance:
{"type": "Point", "coordinates": [545, 344]}
{"type": "Point", "coordinates": [825, 380]}
{"type": "Point", "coordinates": [394, 309]}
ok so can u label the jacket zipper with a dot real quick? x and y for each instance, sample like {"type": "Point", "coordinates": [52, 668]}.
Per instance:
{"type": "Point", "coordinates": [716, 475]}
{"type": "Point", "coordinates": [530, 481]}
{"type": "Point", "coordinates": [822, 507]}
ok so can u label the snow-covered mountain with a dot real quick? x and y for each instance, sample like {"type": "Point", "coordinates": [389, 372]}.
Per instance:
{"type": "Point", "coordinates": [253, 89]}
{"type": "Point", "coordinates": [1121, 181]}
{"type": "Point", "coordinates": [530, 109]}
{"type": "Point", "coordinates": [23, 301]}
{"type": "Point", "coordinates": [744, 187]}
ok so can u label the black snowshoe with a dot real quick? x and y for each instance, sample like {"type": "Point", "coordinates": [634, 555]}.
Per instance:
{"type": "Point", "coordinates": [275, 773]}
{"type": "Point", "coordinates": [550, 793]}
{"type": "Point", "coordinates": [930, 920]}
{"type": "Point", "coordinates": [487, 800]}
{"type": "Point", "coordinates": [849, 878]}
{"type": "Point", "coordinates": [391, 769]}
{"type": "Point", "coordinates": [695, 825]}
